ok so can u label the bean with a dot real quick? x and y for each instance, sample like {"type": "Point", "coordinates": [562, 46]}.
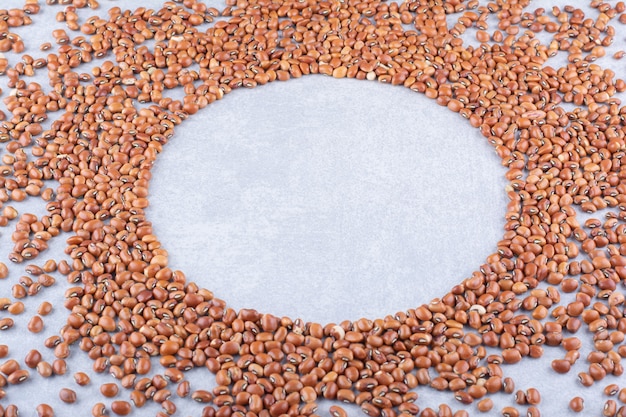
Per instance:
{"type": "Point", "coordinates": [610, 408]}
{"type": "Point", "coordinates": [611, 389]}
{"type": "Point", "coordinates": [18, 376]}
{"type": "Point", "coordinates": [508, 385]}
{"type": "Point", "coordinates": [510, 412]}
{"type": "Point", "coordinates": [576, 404]}
{"type": "Point", "coordinates": [44, 410]}
{"type": "Point", "coordinates": [121, 408]}
{"type": "Point", "coordinates": [35, 324]}
{"type": "Point", "coordinates": [6, 323]}
{"type": "Point", "coordinates": [44, 369]}
{"type": "Point", "coordinates": [67, 395]}
{"type": "Point", "coordinates": [561, 366]}
{"type": "Point", "coordinates": [99, 409]}
{"type": "Point", "coordinates": [44, 308]}
{"type": "Point", "coordinates": [9, 367]}
{"type": "Point", "coordinates": [16, 308]}
{"type": "Point", "coordinates": [533, 411]}
{"type": "Point", "coordinates": [201, 396]}
{"type": "Point", "coordinates": [621, 395]}
{"type": "Point", "coordinates": [59, 367]}
{"type": "Point", "coordinates": [32, 359]}
{"type": "Point", "coordinates": [62, 350]}
{"type": "Point", "coordinates": [337, 411]}
{"type": "Point", "coordinates": [82, 378]}
{"type": "Point", "coordinates": [183, 389]}
{"type": "Point", "coordinates": [485, 405]}
{"type": "Point", "coordinates": [533, 397]}
{"type": "Point", "coordinates": [11, 411]}
{"type": "Point", "coordinates": [138, 398]}
{"type": "Point", "coordinates": [109, 390]}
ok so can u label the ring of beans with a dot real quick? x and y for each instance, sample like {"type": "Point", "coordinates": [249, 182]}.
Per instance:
{"type": "Point", "coordinates": [128, 308]}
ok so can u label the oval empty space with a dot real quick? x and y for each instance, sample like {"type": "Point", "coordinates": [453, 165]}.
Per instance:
{"type": "Point", "coordinates": [327, 199]}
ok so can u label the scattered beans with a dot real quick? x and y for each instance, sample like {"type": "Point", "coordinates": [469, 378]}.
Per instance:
{"type": "Point", "coordinates": [126, 304]}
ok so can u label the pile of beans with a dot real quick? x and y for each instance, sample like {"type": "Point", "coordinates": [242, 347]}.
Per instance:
{"type": "Point", "coordinates": [147, 325]}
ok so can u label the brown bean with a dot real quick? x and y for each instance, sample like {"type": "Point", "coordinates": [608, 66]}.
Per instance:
{"type": "Point", "coordinates": [485, 405]}
{"type": "Point", "coordinates": [32, 359]}
{"type": "Point", "coordinates": [44, 369]}
{"type": "Point", "coordinates": [62, 350]}
{"type": "Point", "coordinates": [561, 366]}
{"type": "Point", "coordinates": [44, 410]}
{"type": "Point", "coordinates": [17, 377]}
{"type": "Point", "coordinates": [44, 308]}
{"type": "Point", "coordinates": [201, 396]}
{"type": "Point", "coordinates": [121, 408]}
{"type": "Point", "coordinates": [16, 308]}
{"type": "Point", "coordinates": [510, 412]}
{"type": "Point", "coordinates": [6, 323]}
{"type": "Point", "coordinates": [610, 408]}
{"type": "Point", "coordinates": [508, 385]}
{"type": "Point", "coordinates": [109, 390]}
{"type": "Point", "coordinates": [9, 367]}
{"type": "Point", "coordinates": [337, 411]}
{"type": "Point", "coordinates": [621, 395]}
{"type": "Point", "coordinates": [98, 409]}
{"type": "Point", "coordinates": [611, 389]}
{"type": "Point", "coordinates": [533, 397]}
{"type": "Point", "coordinates": [67, 395]}
{"type": "Point", "coordinates": [82, 378]}
{"type": "Point", "coordinates": [35, 324]}
{"type": "Point", "coordinates": [59, 367]}
{"type": "Point", "coordinates": [571, 343]}
{"type": "Point", "coordinates": [183, 389]}
{"type": "Point", "coordinates": [138, 398]}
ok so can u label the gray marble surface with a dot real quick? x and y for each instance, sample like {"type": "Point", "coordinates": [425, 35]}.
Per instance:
{"type": "Point", "coordinates": [317, 198]}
